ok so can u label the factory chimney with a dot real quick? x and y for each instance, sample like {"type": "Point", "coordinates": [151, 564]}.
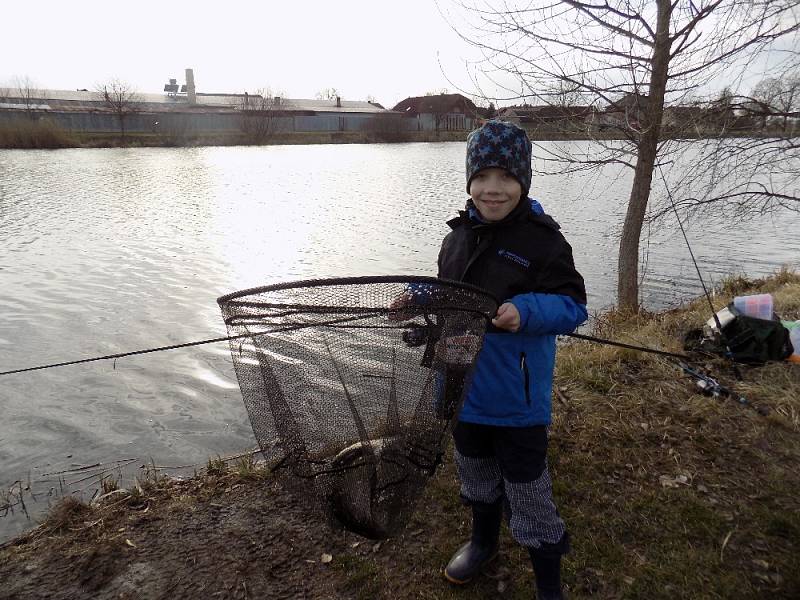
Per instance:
{"type": "Point", "coordinates": [190, 91]}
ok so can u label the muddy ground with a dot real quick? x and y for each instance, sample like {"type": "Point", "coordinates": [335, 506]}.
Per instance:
{"type": "Point", "coordinates": [224, 536]}
{"type": "Point", "coordinates": [239, 541]}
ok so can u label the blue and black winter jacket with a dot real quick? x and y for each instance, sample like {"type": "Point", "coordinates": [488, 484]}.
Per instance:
{"type": "Point", "coordinates": [523, 259]}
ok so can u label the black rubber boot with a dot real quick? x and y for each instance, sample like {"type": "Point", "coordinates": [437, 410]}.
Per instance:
{"type": "Point", "coordinates": [482, 547]}
{"type": "Point", "coordinates": [547, 569]}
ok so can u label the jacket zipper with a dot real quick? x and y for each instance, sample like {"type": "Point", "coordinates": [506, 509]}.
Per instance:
{"type": "Point", "coordinates": [477, 251]}
{"type": "Point", "coordinates": [523, 365]}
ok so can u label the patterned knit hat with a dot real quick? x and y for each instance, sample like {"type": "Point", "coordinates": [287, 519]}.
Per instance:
{"type": "Point", "coordinates": [503, 145]}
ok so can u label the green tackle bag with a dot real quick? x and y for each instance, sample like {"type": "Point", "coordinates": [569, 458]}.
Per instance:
{"type": "Point", "coordinates": [751, 340]}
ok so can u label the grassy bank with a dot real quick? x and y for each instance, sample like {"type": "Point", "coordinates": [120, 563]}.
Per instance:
{"type": "Point", "coordinates": [667, 493]}
{"type": "Point", "coordinates": [41, 134]}
{"type": "Point", "coordinates": [44, 134]}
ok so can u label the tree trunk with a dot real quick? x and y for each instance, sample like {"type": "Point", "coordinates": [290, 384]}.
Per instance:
{"type": "Point", "coordinates": [628, 262]}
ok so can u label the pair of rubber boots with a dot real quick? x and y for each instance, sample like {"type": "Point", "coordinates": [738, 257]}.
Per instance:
{"type": "Point", "coordinates": [473, 556]}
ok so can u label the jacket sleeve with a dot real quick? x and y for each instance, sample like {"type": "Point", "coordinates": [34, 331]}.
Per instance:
{"type": "Point", "coordinates": [548, 314]}
{"type": "Point", "coordinates": [560, 276]}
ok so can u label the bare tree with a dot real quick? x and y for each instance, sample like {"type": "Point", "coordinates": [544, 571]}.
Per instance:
{"type": "Point", "coordinates": [27, 93]}
{"type": "Point", "coordinates": [330, 93]}
{"type": "Point", "coordinates": [565, 94]}
{"type": "Point", "coordinates": [778, 97]}
{"type": "Point", "coordinates": [640, 54]}
{"type": "Point", "coordinates": [259, 113]}
{"type": "Point", "coordinates": [120, 98]}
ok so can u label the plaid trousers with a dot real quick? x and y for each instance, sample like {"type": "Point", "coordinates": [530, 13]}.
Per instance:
{"type": "Point", "coordinates": [510, 463]}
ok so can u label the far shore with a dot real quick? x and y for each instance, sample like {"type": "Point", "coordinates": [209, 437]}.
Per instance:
{"type": "Point", "coordinates": [48, 136]}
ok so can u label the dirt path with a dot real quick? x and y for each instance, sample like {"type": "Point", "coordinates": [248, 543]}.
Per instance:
{"type": "Point", "coordinates": [236, 541]}
{"type": "Point", "coordinates": [225, 535]}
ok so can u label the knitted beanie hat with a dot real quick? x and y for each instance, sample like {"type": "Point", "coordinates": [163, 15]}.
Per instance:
{"type": "Point", "coordinates": [503, 145]}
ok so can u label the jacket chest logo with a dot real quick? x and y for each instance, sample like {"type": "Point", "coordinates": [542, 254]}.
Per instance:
{"type": "Point", "coordinates": [515, 258]}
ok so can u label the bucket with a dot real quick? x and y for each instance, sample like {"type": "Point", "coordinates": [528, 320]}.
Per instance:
{"type": "Point", "coordinates": [794, 336]}
{"type": "Point", "coordinates": [758, 306]}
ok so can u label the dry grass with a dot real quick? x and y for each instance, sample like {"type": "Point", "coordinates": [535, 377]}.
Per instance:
{"type": "Point", "coordinates": [41, 134]}
{"type": "Point", "coordinates": [67, 514]}
{"type": "Point", "coordinates": [672, 490]}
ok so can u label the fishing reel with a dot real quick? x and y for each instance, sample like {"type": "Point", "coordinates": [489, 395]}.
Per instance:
{"type": "Point", "coordinates": [423, 335]}
{"type": "Point", "coordinates": [704, 382]}
{"type": "Point", "coordinates": [416, 336]}
{"type": "Point", "coordinates": [708, 386]}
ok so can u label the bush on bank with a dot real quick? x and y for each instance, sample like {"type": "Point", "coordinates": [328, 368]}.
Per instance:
{"type": "Point", "coordinates": [40, 134]}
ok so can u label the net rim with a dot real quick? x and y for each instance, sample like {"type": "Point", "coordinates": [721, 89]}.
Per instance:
{"type": "Point", "coordinates": [331, 281]}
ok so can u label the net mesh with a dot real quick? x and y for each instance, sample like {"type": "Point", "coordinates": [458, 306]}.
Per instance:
{"type": "Point", "coordinates": [351, 386]}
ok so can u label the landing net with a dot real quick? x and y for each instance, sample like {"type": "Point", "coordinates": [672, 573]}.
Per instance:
{"type": "Point", "coordinates": [351, 386]}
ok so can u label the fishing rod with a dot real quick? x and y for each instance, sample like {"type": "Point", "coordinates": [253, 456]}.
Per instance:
{"type": "Point", "coordinates": [287, 328]}
{"type": "Point", "coordinates": [706, 384]}
{"type": "Point", "coordinates": [710, 386]}
{"type": "Point", "coordinates": [591, 338]}
{"type": "Point", "coordinates": [722, 337]}
{"type": "Point", "coordinates": [298, 326]}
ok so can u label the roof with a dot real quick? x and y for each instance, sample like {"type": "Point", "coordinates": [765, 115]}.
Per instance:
{"type": "Point", "coordinates": [359, 106]}
{"type": "Point", "coordinates": [81, 100]}
{"type": "Point", "coordinates": [548, 112]}
{"type": "Point", "coordinates": [640, 101]}
{"type": "Point", "coordinates": [440, 103]}
{"type": "Point", "coordinates": [686, 111]}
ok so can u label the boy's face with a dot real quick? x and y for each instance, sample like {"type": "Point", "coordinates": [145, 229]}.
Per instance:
{"type": "Point", "coordinates": [495, 192]}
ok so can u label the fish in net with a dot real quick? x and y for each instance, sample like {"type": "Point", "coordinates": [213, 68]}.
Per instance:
{"type": "Point", "coordinates": [352, 385]}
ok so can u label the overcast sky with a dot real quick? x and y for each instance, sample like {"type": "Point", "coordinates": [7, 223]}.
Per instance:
{"type": "Point", "coordinates": [386, 50]}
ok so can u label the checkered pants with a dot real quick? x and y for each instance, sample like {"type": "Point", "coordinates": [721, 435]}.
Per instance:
{"type": "Point", "coordinates": [510, 463]}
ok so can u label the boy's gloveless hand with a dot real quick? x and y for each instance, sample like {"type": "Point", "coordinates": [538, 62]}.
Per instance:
{"type": "Point", "coordinates": [396, 306]}
{"type": "Point", "coordinates": [507, 318]}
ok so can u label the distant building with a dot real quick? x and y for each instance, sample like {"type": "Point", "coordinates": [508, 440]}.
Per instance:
{"type": "Point", "coordinates": [689, 120]}
{"type": "Point", "coordinates": [550, 118]}
{"type": "Point", "coordinates": [441, 112]}
{"type": "Point", "coordinates": [87, 112]}
{"type": "Point", "coordinates": [626, 113]}
{"type": "Point", "coordinates": [182, 110]}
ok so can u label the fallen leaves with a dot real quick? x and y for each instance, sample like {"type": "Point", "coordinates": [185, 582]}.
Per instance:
{"type": "Point", "coordinates": [668, 481]}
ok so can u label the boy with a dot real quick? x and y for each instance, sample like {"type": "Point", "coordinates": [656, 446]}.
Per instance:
{"type": "Point", "coordinates": [503, 242]}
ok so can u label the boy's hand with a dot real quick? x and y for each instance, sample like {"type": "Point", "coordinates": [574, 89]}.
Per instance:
{"type": "Point", "coordinates": [507, 318]}
{"type": "Point", "coordinates": [396, 306]}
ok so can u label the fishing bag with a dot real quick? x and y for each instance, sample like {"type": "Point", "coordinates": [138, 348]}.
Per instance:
{"type": "Point", "coordinates": [751, 340]}
{"type": "Point", "coordinates": [352, 386]}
